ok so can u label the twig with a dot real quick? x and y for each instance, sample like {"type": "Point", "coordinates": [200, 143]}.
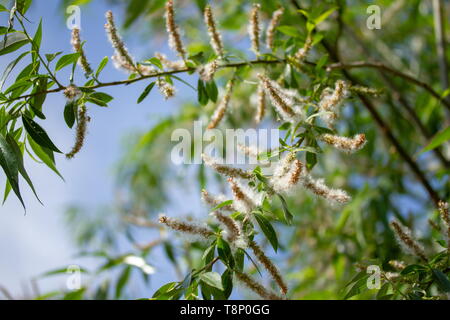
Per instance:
{"type": "Point", "coordinates": [439, 31]}
{"type": "Point", "coordinates": [154, 75]}
{"type": "Point", "coordinates": [379, 65]}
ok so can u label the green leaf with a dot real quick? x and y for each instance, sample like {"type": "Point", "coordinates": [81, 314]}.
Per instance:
{"type": "Point", "coordinates": [38, 100]}
{"type": "Point", "coordinates": [146, 92]}
{"type": "Point", "coordinates": [311, 160]}
{"type": "Point", "coordinates": [52, 56]}
{"type": "Point", "coordinates": [202, 94]}
{"type": "Point", "coordinates": [70, 113]}
{"type": "Point", "coordinates": [287, 214]}
{"type": "Point", "coordinates": [323, 16]}
{"type": "Point", "coordinates": [290, 31]}
{"type": "Point", "coordinates": [45, 154]}
{"type": "Point", "coordinates": [212, 279]}
{"type": "Point", "coordinates": [60, 271]}
{"type": "Point", "coordinates": [221, 205]}
{"type": "Point", "coordinates": [37, 39]}
{"type": "Point", "coordinates": [38, 134]}
{"type": "Point", "coordinates": [13, 42]}
{"type": "Point", "coordinates": [23, 6]}
{"type": "Point", "coordinates": [19, 157]}
{"type": "Point", "coordinates": [66, 60]}
{"type": "Point", "coordinates": [10, 67]}
{"type": "Point", "coordinates": [224, 251]}
{"type": "Point", "coordinates": [2, 8]}
{"type": "Point", "coordinates": [10, 165]}
{"type": "Point", "coordinates": [267, 229]}
{"type": "Point", "coordinates": [227, 282]}
{"type": "Point", "coordinates": [101, 66]}
{"type": "Point", "coordinates": [440, 137]}
{"type": "Point", "coordinates": [164, 291]}
{"type": "Point", "coordinates": [155, 61]}
{"type": "Point", "coordinates": [212, 90]}
{"type": "Point", "coordinates": [7, 191]}
{"type": "Point", "coordinates": [442, 280]}
{"type": "Point", "coordinates": [122, 281]}
{"type": "Point", "coordinates": [412, 268]}
{"type": "Point", "coordinates": [101, 96]}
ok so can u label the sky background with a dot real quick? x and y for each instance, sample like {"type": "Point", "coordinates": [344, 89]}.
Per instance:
{"type": "Point", "coordinates": [40, 241]}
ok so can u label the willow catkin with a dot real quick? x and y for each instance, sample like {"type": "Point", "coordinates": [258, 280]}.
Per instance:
{"type": "Point", "coordinates": [121, 58]}
{"type": "Point", "coordinates": [222, 107]}
{"type": "Point", "coordinates": [71, 93]}
{"type": "Point", "coordinates": [214, 201]}
{"type": "Point", "coordinates": [445, 216]}
{"type": "Point", "coordinates": [269, 266]}
{"type": "Point", "coordinates": [224, 169]}
{"type": "Point", "coordinates": [208, 70]}
{"type": "Point", "coordinates": [166, 89]}
{"type": "Point", "coordinates": [232, 228]}
{"type": "Point", "coordinates": [254, 28]}
{"type": "Point", "coordinates": [185, 227]}
{"type": "Point", "coordinates": [270, 33]}
{"type": "Point", "coordinates": [83, 119]}
{"type": "Point", "coordinates": [282, 99]}
{"type": "Point", "coordinates": [214, 35]}
{"type": "Point", "coordinates": [301, 54]}
{"type": "Point", "coordinates": [319, 188]}
{"type": "Point", "coordinates": [244, 199]}
{"type": "Point", "coordinates": [261, 104]}
{"type": "Point", "coordinates": [169, 64]}
{"type": "Point", "coordinates": [331, 100]}
{"type": "Point", "coordinates": [343, 143]}
{"type": "Point", "coordinates": [173, 30]}
{"type": "Point", "coordinates": [77, 47]}
{"type": "Point", "coordinates": [256, 287]}
{"type": "Point", "coordinates": [406, 240]}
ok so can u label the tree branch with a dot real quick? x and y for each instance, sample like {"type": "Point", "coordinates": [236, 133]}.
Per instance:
{"type": "Point", "coordinates": [381, 66]}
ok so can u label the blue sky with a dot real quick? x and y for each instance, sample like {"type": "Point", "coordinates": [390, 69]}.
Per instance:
{"type": "Point", "coordinates": [39, 241]}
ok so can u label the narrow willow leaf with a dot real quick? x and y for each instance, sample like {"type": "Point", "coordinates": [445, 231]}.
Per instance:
{"type": "Point", "coordinates": [10, 67]}
{"type": "Point", "coordinates": [19, 157]}
{"type": "Point", "coordinates": [9, 163]}
{"type": "Point", "coordinates": [46, 155]}
{"type": "Point", "coordinates": [442, 280]}
{"type": "Point", "coordinates": [38, 134]}
{"type": "Point", "coordinates": [37, 39]}
{"type": "Point", "coordinates": [101, 66]}
{"type": "Point", "coordinates": [268, 230]}
{"type": "Point", "coordinates": [66, 60]}
{"type": "Point", "coordinates": [287, 214]}
{"type": "Point", "coordinates": [146, 92]}
{"type": "Point", "coordinates": [13, 42]}
{"type": "Point", "coordinates": [212, 279]}
{"type": "Point", "coordinates": [70, 113]}
{"type": "Point", "coordinates": [23, 6]}
{"type": "Point", "coordinates": [437, 140]}
{"type": "Point", "coordinates": [224, 251]}
{"type": "Point", "coordinates": [38, 99]}
{"type": "Point", "coordinates": [122, 281]}
{"type": "Point", "coordinates": [212, 90]}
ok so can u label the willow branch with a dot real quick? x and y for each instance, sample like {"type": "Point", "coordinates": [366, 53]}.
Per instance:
{"type": "Point", "coordinates": [439, 31]}
{"type": "Point", "coordinates": [153, 75]}
{"type": "Point", "coordinates": [401, 99]}
{"type": "Point", "coordinates": [381, 66]}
